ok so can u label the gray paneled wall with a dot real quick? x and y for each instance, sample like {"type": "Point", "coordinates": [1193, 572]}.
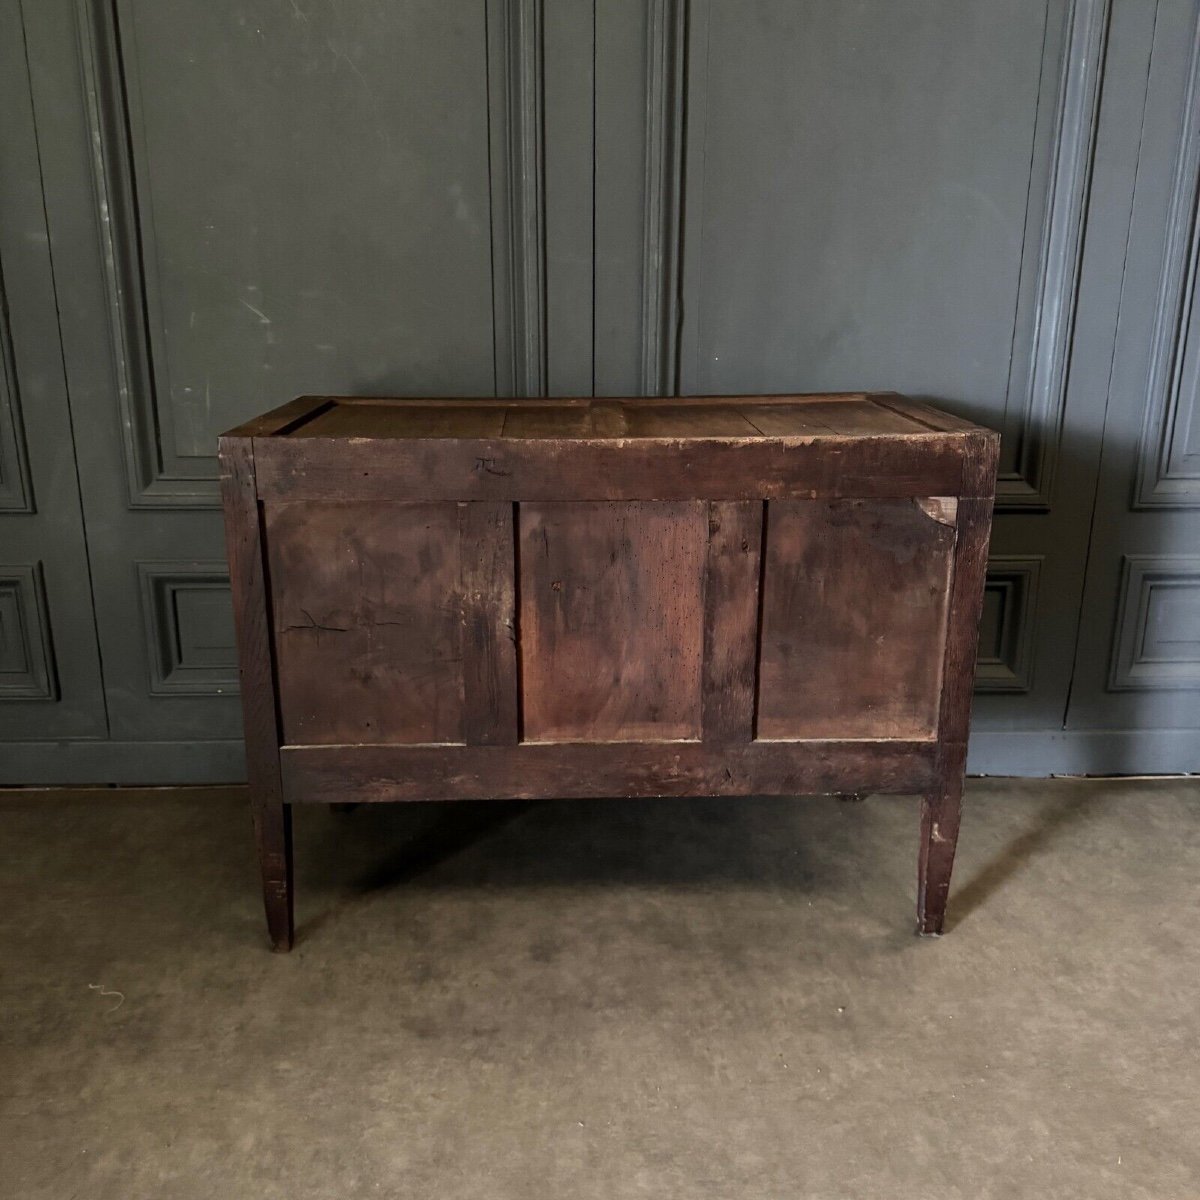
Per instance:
{"type": "Point", "coordinates": [209, 207]}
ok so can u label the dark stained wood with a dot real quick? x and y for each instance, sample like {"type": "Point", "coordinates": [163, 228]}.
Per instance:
{"type": "Point", "coordinates": [272, 817]}
{"type": "Point", "coordinates": [404, 421]}
{"type": "Point", "coordinates": [461, 599]}
{"type": "Point", "coordinates": [731, 620]}
{"type": "Point", "coordinates": [612, 604]}
{"type": "Point", "coordinates": [546, 469]}
{"type": "Point", "coordinates": [941, 811]}
{"type": "Point", "coordinates": [941, 807]}
{"type": "Point", "coordinates": [854, 618]}
{"type": "Point", "coordinates": [965, 608]}
{"type": "Point", "coordinates": [548, 421]}
{"type": "Point", "coordinates": [686, 421]}
{"type": "Point", "coordinates": [489, 627]}
{"type": "Point", "coordinates": [547, 770]}
{"type": "Point", "coordinates": [368, 615]}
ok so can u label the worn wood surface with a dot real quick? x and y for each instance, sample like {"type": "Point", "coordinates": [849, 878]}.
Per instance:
{"type": "Point", "coordinates": [272, 817]}
{"type": "Point", "coordinates": [551, 469]}
{"type": "Point", "coordinates": [853, 413]}
{"type": "Point", "coordinates": [721, 596]}
{"type": "Point", "coordinates": [854, 618]}
{"type": "Point", "coordinates": [489, 624]}
{"type": "Point", "coordinates": [612, 611]}
{"type": "Point", "coordinates": [942, 805]}
{"type": "Point", "coordinates": [731, 620]}
{"type": "Point", "coordinates": [547, 770]}
{"type": "Point", "coordinates": [368, 611]}
{"type": "Point", "coordinates": [285, 419]}
{"type": "Point", "coordinates": [941, 812]}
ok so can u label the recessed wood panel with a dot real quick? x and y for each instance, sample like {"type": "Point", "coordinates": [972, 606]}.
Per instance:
{"type": "Point", "coordinates": [854, 617]}
{"type": "Point", "coordinates": [611, 620]}
{"type": "Point", "coordinates": [367, 619]}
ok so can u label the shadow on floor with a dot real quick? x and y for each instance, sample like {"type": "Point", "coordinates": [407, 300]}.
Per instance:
{"type": "Point", "coordinates": [1014, 858]}
{"type": "Point", "coordinates": [346, 858]}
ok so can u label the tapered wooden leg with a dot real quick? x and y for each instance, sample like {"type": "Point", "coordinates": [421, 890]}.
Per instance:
{"type": "Point", "coordinates": [940, 812]}
{"type": "Point", "coordinates": [273, 834]}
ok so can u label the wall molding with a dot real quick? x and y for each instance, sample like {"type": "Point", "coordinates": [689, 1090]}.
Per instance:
{"type": "Point", "coordinates": [153, 482]}
{"type": "Point", "coordinates": [27, 668]}
{"type": "Point", "coordinates": [516, 97]}
{"type": "Point", "coordinates": [1167, 476]}
{"type": "Point", "coordinates": [1006, 666]}
{"type": "Point", "coordinates": [1036, 754]}
{"type": "Point", "coordinates": [1037, 387]}
{"type": "Point", "coordinates": [1140, 660]}
{"type": "Point", "coordinates": [16, 488]}
{"type": "Point", "coordinates": [91, 762]}
{"type": "Point", "coordinates": [178, 666]}
{"type": "Point", "coordinates": [666, 91]}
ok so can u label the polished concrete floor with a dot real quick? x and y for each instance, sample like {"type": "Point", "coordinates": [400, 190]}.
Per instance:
{"type": "Point", "coordinates": [603, 1000]}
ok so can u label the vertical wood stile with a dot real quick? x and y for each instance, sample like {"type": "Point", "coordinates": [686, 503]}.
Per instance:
{"type": "Point", "coordinates": [489, 627]}
{"type": "Point", "coordinates": [272, 817]}
{"type": "Point", "coordinates": [941, 808]}
{"type": "Point", "coordinates": [731, 611]}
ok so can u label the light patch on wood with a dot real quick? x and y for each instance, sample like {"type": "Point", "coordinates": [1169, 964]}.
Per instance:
{"type": "Point", "coordinates": [943, 509]}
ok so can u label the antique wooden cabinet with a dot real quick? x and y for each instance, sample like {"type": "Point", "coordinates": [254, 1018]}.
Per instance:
{"type": "Point", "coordinates": [450, 599]}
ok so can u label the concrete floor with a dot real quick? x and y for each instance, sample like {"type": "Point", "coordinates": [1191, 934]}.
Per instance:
{"type": "Point", "coordinates": [603, 1000]}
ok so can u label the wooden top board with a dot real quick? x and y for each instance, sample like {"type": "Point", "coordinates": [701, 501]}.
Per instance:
{"type": "Point", "coordinates": [843, 415]}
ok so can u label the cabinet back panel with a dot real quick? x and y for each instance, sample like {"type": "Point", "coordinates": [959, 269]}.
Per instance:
{"type": "Point", "coordinates": [611, 619]}
{"type": "Point", "coordinates": [367, 608]}
{"type": "Point", "coordinates": [854, 616]}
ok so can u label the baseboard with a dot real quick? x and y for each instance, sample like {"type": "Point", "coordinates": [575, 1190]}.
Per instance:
{"type": "Point", "coordinates": [54, 764]}
{"type": "Point", "coordinates": [1031, 754]}
{"type": "Point", "coordinates": [1039, 753]}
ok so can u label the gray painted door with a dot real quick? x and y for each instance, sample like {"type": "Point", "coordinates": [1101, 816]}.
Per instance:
{"type": "Point", "coordinates": [50, 685]}
{"type": "Point", "coordinates": [1138, 665]}
{"type": "Point", "coordinates": [210, 207]}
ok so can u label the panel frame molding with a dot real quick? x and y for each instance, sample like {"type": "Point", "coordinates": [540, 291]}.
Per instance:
{"type": "Point", "coordinates": [662, 222]}
{"type": "Point", "coordinates": [16, 484]}
{"type": "Point", "coordinates": [1041, 382]}
{"type": "Point", "coordinates": [158, 581]}
{"type": "Point", "coordinates": [1128, 671]}
{"type": "Point", "coordinates": [1011, 671]}
{"type": "Point", "coordinates": [152, 482]}
{"type": "Point", "coordinates": [1159, 482]}
{"type": "Point", "coordinates": [516, 85]}
{"type": "Point", "coordinates": [517, 168]}
{"type": "Point", "coordinates": [1036, 391]}
{"type": "Point", "coordinates": [26, 583]}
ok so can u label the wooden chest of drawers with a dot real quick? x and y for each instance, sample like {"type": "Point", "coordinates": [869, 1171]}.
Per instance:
{"type": "Point", "coordinates": [450, 599]}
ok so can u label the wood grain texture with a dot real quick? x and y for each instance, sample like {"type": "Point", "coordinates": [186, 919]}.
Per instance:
{"type": "Point", "coordinates": [272, 817]}
{"type": "Point", "coordinates": [608, 598]}
{"type": "Point", "coordinates": [854, 619]}
{"type": "Point", "coordinates": [924, 414]}
{"type": "Point", "coordinates": [319, 774]}
{"type": "Point", "coordinates": [368, 614]}
{"type": "Point", "coordinates": [941, 806]}
{"type": "Point", "coordinates": [552, 469]}
{"type": "Point", "coordinates": [489, 625]}
{"type": "Point", "coordinates": [612, 609]}
{"type": "Point", "coordinates": [731, 620]}
{"type": "Point", "coordinates": [466, 419]}
{"type": "Point", "coordinates": [974, 520]}
{"type": "Point", "coordinates": [285, 419]}
{"type": "Point", "coordinates": [941, 813]}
